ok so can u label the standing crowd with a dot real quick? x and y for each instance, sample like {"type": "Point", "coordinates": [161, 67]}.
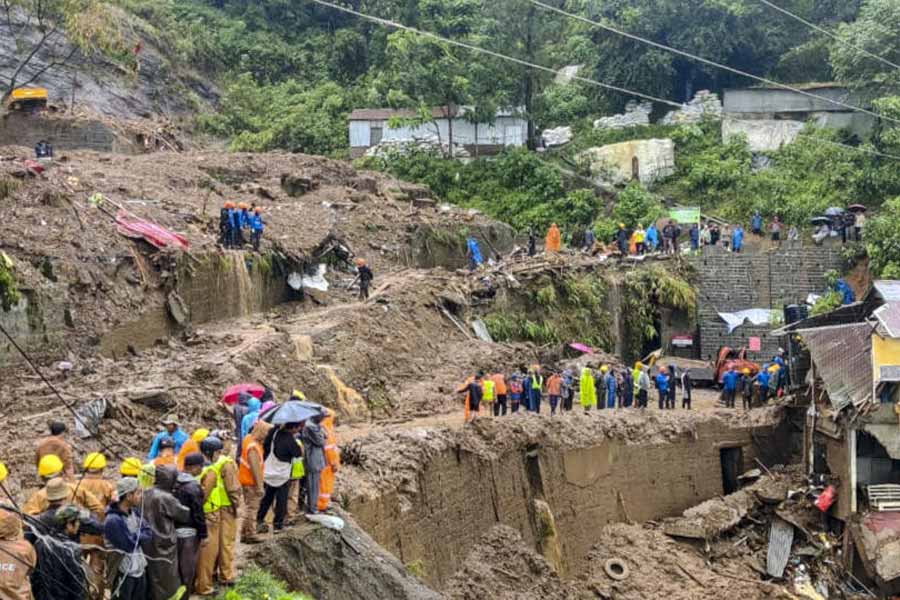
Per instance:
{"type": "Point", "coordinates": [235, 219]}
{"type": "Point", "coordinates": [167, 527]}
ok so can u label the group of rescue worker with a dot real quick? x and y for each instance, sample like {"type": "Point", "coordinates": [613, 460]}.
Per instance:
{"type": "Point", "coordinates": [167, 528]}
{"type": "Point", "coordinates": [234, 219]}
{"type": "Point", "coordinates": [608, 388]}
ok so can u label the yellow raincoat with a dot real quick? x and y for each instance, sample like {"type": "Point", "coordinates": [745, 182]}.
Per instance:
{"type": "Point", "coordinates": [588, 389]}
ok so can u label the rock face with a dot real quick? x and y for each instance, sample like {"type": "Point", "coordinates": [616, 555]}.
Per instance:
{"type": "Point", "coordinates": [705, 106]}
{"type": "Point", "coordinates": [557, 136]}
{"type": "Point", "coordinates": [338, 565]}
{"type": "Point", "coordinates": [635, 114]}
{"type": "Point", "coordinates": [99, 84]}
{"type": "Point", "coordinates": [643, 160]}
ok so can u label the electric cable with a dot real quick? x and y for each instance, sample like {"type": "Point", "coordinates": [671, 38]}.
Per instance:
{"type": "Point", "coordinates": [833, 36]}
{"type": "Point", "coordinates": [706, 61]}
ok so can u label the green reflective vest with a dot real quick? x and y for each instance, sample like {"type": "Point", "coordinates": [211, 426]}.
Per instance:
{"type": "Point", "coordinates": [487, 386]}
{"type": "Point", "coordinates": [297, 468]}
{"type": "Point", "coordinates": [537, 382]}
{"type": "Point", "coordinates": [218, 497]}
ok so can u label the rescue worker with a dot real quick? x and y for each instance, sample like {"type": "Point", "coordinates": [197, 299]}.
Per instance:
{"type": "Point", "coordinates": [249, 420]}
{"type": "Point", "coordinates": [234, 226]}
{"type": "Point", "coordinates": [314, 439]}
{"type": "Point", "coordinates": [243, 219]}
{"type": "Point", "coordinates": [600, 384]}
{"type": "Point", "coordinates": [257, 225]}
{"type": "Point", "coordinates": [17, 559]}
{"type": "Point", "coordinates": [762, 384]}
{"type": "Point", "coordinates": [662, 386]}
{"type": "Point", "coordinates": [192, 446]}
{"type": "Point", "coordinates": [189, 536]}
{"type": "Point", "coordinates": [473, 253]}
{"type": "Point", "coordinates": [51, 470]}
{"type": "Point", "coordinates": [729, 387]}
{"type": "Point", "coordinates": [164, 513]}
{"type": "Point", "coordinates": [536, 390]}
{"type": "Point", "coordinates": [651, 238]}
{"type": "Point", "coordinates": [737, 238]}
{"type": "Point", "coordinates": [695, 237]}
{"type": "Point", "coordinates": [673, 380]}
{"type": "Point", "coordinates": [611, 392]}
{"type": "Point", "coordinates": [554, 391]}
{"type": "Point", "coordinates": [130, 467]}
{"type": "Point", "coordinates": [365, 278]}
{"type": "Point", "coordinates": [627, 388]}
{"type": "Point", "coordinates": [173, 432]}
{"type": "Point", "coordinates": [568, 389]}
{"type": "Point", "coordinates": [166, 454]}
{"type": "Point", "coordinates": [239, 411]}
{"type": "Point", "coordinates": [622, 239]}
{"type": "Point", "coordinates": [554, 239]}
{"type": "Point", "coordinates": [332, 461]}
{"type": "Point", "coordinates": [225, 224]}
{"type": "Point", "coordinates": [297, 490]}
{"type": "Point", "coordinates": [104, 490]}
{"type": "Point", "coordinates": [222, 493]}
{"type": "Point", "coordinates": [643, 385]}
{"type": "Point", "coordinates": [125, 532]}
{"type": "Point", "coordinates": [515, 392]}
{"type": "Point", "coordinates": [746, 390]}
{"type": "Point", "coordinates": [279, 451]}
{"type": "Point", "coordinates": [588, 389]}
{"type": "Point", "coordinates": [500, 388]}
{"type": "Point", "coordinates": [488, 393]}
{"type": "Point", "coordinates": [472, 389]}
{"type": "Point", "coordinates": [756, 223]}
{"type": "Point", "coordinates": [250, 476]}
{"type": "Point", "coordinates": [640, 239]}
{"type": "Point", "coordinates": [532, 242]}
{"type": "Point", "coordinates": [59, 573]}
{"type": "Point", "coordinates": [56, 445]}
{"type": "Point", "coordinates": [687, 389]}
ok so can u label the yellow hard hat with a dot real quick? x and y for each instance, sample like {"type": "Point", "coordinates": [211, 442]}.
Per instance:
{"type": "Point", "coordinates": [130, 467]}
{"type": "Point", "coordinates": [50, 465]}
{"type": "Point", "coordinates": [746, 371]}
{"type": "Point", "coordinates": [621, 225]}
{"type": "Point", "coordinates": [94, 461]}
{"type": "Point", "coordinates": [604, 368]}
{"type": "Point", "coordinates": [638, 365]}
{"type": "Point", "coordinates": [199, 435]}
{"type": "Point", "coordinates": [298, 394]}
{"type": "Point", "coordinates": [4, 472]}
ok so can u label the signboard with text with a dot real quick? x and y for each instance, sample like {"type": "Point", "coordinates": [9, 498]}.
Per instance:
{"type": "Point", "coordinates": [685, 215]}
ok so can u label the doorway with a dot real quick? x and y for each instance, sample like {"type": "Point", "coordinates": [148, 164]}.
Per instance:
{"type": "Point", "coordinates": [732, 460]}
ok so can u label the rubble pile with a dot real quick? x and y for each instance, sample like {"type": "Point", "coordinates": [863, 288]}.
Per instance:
{"type": "Point", "coordinates": [636, 114]}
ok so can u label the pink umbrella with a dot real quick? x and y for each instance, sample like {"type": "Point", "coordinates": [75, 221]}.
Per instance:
{"type": "Point", "coordinates": [231, 394]}
{"type": "Point", "coordinates": [581, 347]}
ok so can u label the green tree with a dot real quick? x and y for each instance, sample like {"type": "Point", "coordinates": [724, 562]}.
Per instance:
{"type": "Point", "coordinates": [877, 30]}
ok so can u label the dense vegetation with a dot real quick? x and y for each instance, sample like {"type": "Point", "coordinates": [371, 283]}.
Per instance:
{"type": "Point", "coordinates": [293, 70]}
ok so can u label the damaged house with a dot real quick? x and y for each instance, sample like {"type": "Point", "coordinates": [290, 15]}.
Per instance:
{"type": "Point", "coordinates": [852, 432]}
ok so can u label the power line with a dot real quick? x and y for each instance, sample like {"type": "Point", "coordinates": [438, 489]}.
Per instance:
{"type": "Point", "coordinates": [830, 34]}
{"type": "Point", "coordinates": [519, 61]}
{"type": "Point", "coordinates": [393, 24]}
{"type": "Point", "coordinates": [706, 61]}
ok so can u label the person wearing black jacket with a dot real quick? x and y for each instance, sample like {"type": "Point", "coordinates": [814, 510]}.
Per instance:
{"type": "Point", "coordinates": [59, 573]}
{"type": "Point", "coordinates": [190, 536]}
{"type": "Point", "coordinates": [280, 449]}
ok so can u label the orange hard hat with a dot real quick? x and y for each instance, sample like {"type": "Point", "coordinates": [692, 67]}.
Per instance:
{"type": "Point", "coordinates": [229, 205]}
{"type": "Point", "coordinates": [360, 262]}
{"type": "Point", "coordinates": [257, 210]}
{"type": "Point", "coordinates": [243, 205]}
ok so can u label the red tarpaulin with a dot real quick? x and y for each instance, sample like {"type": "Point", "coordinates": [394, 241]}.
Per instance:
{"type": "Point", "coordinates": [132, 227]}
{"type": "Point", "coordinates": [581, 347]}
{"type": "Point", "coordinates": [231, 394]}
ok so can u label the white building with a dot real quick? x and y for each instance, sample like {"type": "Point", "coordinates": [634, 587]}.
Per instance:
{"type": "Point", "coordinates": [370, 127]}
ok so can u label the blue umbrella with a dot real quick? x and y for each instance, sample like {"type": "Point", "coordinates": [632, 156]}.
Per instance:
{"type": "Point", "coordinates": [292, 412]}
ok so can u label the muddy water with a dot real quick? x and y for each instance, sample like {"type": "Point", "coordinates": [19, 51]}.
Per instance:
{"type": "Point", "coordinates": [436, 519]}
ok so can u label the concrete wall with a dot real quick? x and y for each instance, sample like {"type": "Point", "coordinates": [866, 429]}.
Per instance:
{"type": "Point", "coordinates": [505, 131]}
{"type": "Point", "coordinates": [459, 495]}
{"type": "Point", "coordinates": [767, 134]}
{"type": "Point", "coordinates": [731, 282]}
{"type": "Point", "coordinates": [614, 163]}
{"type": "Point", "coordinates": [63, 133]}
{"type": "Point", "coordinates": [763, 100]}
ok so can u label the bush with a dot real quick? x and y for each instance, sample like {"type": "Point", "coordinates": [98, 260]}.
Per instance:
{"type": "Point", "coordinates": [256, 584]}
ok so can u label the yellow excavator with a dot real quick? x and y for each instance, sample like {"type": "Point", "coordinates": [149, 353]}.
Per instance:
{"type": "Point", "coordinates": [27, 99]}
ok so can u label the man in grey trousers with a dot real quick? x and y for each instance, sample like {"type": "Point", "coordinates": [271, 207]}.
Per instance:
{"type": "Point", "coordinates": [313, 438]}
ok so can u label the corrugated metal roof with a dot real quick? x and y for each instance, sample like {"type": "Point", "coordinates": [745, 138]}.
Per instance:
{"type": "Point", "coordinates": [888, 289]}
{"type": "Point", "coordinates": [843, 358]}
{"type": "Point", "coordinates": [889, 318]}
{"type": "Point", "coordinates": [438, 112]}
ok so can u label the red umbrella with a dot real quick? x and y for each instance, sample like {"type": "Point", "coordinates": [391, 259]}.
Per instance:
{"type": "Point", "coordinates": [231, 394]}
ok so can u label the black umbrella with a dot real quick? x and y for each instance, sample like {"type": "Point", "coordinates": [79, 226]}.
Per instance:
{"type": "Point", "coordinates": [820, 220]}
{"type": "Point", "coordinates": [292, 411]}
{"type": "Point", "coordinates": [857, 208]}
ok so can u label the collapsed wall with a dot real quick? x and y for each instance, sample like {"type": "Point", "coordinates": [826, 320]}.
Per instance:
{"type": "Point", "coordinates": [428, 496]}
